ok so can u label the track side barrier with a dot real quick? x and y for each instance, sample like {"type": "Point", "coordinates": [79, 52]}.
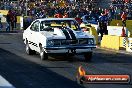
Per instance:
{"type": "Point", "coordinates": [95, 25]}
{"type": "Point", "coordinates": [91, 30]}
{"type": "Point", "coordinates": [128, 44]}
{"type": "Point", "coordinates": [19, 19]}
{"type": "Point", "coordinates": [4, 12]}
{"type": "Point", "coordinates": [112, 42]}
{"type": "Point", "coordinates": [114, 31]}
{"type": "Point", "coordinates": [25, 21]}
{"type": "Point", "coordinates": [94, 33]}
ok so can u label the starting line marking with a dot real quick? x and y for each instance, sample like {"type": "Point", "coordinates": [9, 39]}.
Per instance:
{"type": "Point", "coordinates": [4, 83]}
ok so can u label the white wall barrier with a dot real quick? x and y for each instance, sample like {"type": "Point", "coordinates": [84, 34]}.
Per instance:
{"type": "Point", "coordinates": [116, 30]}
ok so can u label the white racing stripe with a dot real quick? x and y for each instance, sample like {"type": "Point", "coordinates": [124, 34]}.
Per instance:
{"type": "Point", "coordinates": [5, 84]}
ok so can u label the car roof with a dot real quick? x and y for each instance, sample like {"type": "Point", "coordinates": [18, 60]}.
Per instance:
{"type": "Point", "coordinates": [43, 19]}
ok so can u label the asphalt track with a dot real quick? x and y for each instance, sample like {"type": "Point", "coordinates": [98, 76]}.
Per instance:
{"type": "Point", "coordinates": [25, 71]}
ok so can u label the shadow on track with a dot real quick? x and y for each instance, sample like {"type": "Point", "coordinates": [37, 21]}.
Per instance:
{"type": "Point", "coordinates": [25, 74]}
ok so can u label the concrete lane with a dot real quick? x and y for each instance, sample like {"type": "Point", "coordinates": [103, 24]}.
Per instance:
{"type": "Point", "coordinates": [25, 71]}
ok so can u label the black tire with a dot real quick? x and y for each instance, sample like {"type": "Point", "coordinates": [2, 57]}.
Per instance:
{"type": "Point", "coordinates": [43, 55]}
{"type": "Point", "coordinates": [28, 49]}
{"type": "Point", "coordinates": [88, 56]}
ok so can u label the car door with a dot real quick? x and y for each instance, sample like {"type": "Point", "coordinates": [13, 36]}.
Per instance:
{"type": "Point", "coordinates": [34, 35]}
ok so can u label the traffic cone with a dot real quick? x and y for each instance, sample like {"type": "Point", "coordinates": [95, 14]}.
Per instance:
{"type": "Point", "coordinates": [123, 34]}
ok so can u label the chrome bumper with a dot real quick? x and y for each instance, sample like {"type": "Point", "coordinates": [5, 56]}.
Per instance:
{"type": "Point", "coordinates": [69, 49]}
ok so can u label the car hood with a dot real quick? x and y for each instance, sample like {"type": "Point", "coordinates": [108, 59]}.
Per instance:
{"type": "Point", "coordinates": [65, 34]}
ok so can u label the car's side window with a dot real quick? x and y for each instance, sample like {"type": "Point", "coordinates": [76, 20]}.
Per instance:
{"type": "Point", "coordinates": [35, 26]}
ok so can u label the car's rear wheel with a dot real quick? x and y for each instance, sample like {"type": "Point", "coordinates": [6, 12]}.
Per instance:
{"type": "Point", "coordinates": [28, 49]}
{"type": "Point", "coordinates": [43, 55]}
{"type": "Point", "coordinates": [88, 56]}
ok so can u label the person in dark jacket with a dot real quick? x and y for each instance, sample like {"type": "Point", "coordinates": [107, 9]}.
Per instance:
{"type": "Point", "coordinates": [15, 19]}
{"type": "Point", "coordinates": [1, 26]}
{"type": "Point", "coordinates": [103, 21]}
{"type": "Point", "coordinates": [8, 20]}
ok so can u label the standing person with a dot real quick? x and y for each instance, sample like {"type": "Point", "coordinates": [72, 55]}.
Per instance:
{"type": "Point", "coordinates": [8, 20]}
{"type": "Point", "coordinates": [103, 25]}
{"type": "Point", "coordinates": [123, 18]}
{"type": "Point", "coordinates": [78, 19]}
{"type": "Point", "coordinates": [1, 26]}
{"type": "Point", "coordinates": [12, 21]}
{"type": "Point", "coordinates": [58, 15]}
{"type": "Point", "coordinates": [15, 19]}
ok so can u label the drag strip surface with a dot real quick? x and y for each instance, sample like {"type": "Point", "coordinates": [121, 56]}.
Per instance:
{"type": "Point", "coordinates": [25, 71]}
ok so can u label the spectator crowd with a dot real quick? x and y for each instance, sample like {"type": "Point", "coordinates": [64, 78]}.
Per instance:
{"type": "Point", "coordinates": [120, 6]}
{"type": "Point", "coordinates": [67, 8]}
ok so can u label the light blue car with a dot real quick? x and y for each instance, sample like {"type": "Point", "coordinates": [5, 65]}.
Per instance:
{"type": "Point", "coordinates": [88, 19]}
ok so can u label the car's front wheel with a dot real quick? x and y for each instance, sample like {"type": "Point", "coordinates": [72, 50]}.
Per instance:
{"type": "Point", "coordinates": [43, 55]}
{"type": "Point", "coordinates": [28, 50]}
{"type": "Point", "coordinates": [88, 56]}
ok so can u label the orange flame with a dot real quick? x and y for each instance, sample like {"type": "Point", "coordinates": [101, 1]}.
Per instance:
{"type": "Point", "coordinates": [81, 71]}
